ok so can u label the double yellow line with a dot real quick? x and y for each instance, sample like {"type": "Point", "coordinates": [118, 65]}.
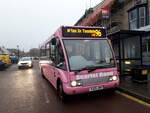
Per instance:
{"type": "Point", "coordinates": [133, 98]}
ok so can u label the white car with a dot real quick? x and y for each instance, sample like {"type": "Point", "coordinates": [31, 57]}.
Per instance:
{"type": "Point", "coordinates": [44, 60]}
{"type": "Point", "coordinates": [25, 62]}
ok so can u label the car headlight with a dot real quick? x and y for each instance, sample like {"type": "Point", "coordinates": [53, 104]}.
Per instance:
{"type": "Point", "coordinates": [29, 63]}
{"type": "Point", "coordinates": [74, 83]}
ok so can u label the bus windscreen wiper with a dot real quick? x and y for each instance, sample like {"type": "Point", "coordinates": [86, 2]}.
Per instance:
{"type": "Point", "coordinates": [93, 67]}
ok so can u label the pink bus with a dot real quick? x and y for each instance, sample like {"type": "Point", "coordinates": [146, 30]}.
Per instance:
{"type": "Point", "coordinates": [81, 60]}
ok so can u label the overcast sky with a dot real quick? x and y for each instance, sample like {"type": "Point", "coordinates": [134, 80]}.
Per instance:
{"type": "Point", "coordinates": [28, 23]}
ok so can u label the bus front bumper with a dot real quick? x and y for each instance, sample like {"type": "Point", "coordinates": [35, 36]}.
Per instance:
{"type": "Point", "coordinates": [89, 88]}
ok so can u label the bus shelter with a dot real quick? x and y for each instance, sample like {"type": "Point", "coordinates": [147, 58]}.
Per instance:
{"type": "Point", "coordinates": [127, 45]}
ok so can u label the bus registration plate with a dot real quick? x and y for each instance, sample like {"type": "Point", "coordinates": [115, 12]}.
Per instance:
{"type": "Point", "coordinates": [96, 88]}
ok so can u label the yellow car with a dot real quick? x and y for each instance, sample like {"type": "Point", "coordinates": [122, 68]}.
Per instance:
{"type": "Point", "coordinates": [6, 59]}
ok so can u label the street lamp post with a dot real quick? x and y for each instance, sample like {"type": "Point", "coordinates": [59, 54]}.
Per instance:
{"type": "Point", "coordinates": [18, 51]}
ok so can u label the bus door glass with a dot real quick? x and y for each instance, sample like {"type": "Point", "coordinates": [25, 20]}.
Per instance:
{"type": "Point", "coordinates": [58, 59]}
{"type": "Point", "coordinates": [46, 58]}
{"type": "Point", "coordinates": [52, 47]}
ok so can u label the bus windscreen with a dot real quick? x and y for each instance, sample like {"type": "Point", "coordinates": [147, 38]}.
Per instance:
{"type": "Point", "coordinates": [83, 32]}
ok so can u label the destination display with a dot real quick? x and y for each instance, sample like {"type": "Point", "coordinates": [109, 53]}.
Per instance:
{"type": "Point", "coordinates": [83, 32]}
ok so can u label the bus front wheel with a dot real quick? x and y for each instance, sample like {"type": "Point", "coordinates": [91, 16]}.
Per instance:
{"type": "Point", "coordinates": [61, 92]}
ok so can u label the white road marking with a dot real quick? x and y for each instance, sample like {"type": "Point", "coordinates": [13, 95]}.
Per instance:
{"type": "Point", "coordinates": [43, 86]}
{"type": "Point", "coordinates": [46, 98]}
{"type": "Point", "coordinates": [45, 94]}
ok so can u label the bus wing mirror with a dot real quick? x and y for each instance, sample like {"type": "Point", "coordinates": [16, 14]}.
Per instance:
{"type": "Point", "coordinates": [60, 64]}
{"type": "Point", "coordinates": [52, 58]}
{"type": "Point", "coordinates": [54, 41]}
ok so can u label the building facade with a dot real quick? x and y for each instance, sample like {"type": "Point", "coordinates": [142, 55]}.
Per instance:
{"type": "Point", "coordinates": [128, 26]}
{"type": "Point", "coordinates": [4, 51]}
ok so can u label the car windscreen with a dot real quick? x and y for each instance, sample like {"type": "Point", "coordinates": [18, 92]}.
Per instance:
{"type": "Point", "coordinates": [25, 59]}
{"type": "Point", "coordinates": [44, 58]}
{"type": "Point", "coordinates": [88, 53]}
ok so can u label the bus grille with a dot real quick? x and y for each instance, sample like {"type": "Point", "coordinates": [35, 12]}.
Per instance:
{"type": "Point", "coordinates": [94, 81]}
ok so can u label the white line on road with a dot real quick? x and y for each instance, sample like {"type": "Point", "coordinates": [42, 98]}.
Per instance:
{"type": "Point", "coordinates": [43, 86]}
{"type": "Point", "coordinates": [46, 98]}
{"type": "Point", "coordinates": [45, 94]}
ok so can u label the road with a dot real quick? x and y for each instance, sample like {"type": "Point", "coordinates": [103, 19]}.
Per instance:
{"type": "Point", "coordinates": [25, 91]}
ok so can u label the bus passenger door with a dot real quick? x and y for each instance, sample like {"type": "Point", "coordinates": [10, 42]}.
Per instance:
{"type": "Point", "coordinates": [59, 61]}
{"type": "Point", "coordinates": [52, 65]}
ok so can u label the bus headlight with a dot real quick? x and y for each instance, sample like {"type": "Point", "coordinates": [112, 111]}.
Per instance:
{"type": "Point", "coordinates": [74, 83]}
{"type": "Point", "coordinates": [113, 78]}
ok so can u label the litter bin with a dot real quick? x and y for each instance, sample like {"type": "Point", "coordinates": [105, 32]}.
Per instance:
{"type": "Point", "coordinates": [139, 74]}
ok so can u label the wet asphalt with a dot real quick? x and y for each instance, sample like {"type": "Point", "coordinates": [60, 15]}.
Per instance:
{"type": "Point", "coordinates": [25, 91]}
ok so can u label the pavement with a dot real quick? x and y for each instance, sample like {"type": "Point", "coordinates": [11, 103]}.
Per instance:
{"type": "Point", "coordinates": [136, 89]}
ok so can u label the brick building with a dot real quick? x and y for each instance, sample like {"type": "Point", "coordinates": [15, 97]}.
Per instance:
{"type": "Point", "coordinates": [128, 26]}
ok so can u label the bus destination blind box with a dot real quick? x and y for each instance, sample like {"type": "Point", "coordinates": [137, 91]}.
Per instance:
{"type": "Point", "coordinates": [83, 32]}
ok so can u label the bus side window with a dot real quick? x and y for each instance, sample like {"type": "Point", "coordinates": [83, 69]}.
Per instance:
{"type": "Point", "coordinates": [52, 50]}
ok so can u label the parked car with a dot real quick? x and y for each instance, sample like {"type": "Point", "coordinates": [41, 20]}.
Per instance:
{"type": "Point", "coordinates": [25, 62]}
{"type": "Point", "coordinates": [2, 64]}
{"type": "Point", "coordinates": [6, 59]}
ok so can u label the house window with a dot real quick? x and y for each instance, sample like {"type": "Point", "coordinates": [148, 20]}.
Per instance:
{"type": "Point", "coordinates": [133, 19]}
{"type": "Point", "coordinates": [142, 19]}
{"type": "Point", "coordinates": [138, 17]}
